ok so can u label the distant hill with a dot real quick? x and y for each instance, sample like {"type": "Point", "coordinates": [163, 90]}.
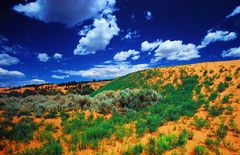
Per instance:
{"type": "Point", "coordinates": [62, 87]}
{"type": "Point", "coordinates": [156, 78]}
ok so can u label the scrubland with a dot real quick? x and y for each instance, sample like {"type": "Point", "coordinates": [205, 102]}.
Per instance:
{"type": "Point", "coordinates": [190, 109]}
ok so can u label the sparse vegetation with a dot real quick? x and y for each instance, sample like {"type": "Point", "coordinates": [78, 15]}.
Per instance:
{"type": "Point", "coordinates": [162, 104]}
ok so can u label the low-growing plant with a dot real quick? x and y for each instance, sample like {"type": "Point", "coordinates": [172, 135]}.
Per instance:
{"type": "Point", "coordinates": [51, 114]}
{"type": "Point", "coordinates": [201, 150]}
{"type": "Point", "coordinates": [137, 149]}
{"type": "Point", "coordinates": [215, 110]}
{"type": "Point", "coordinates": [200, 122]}
{"type": "Point", "coordinates": [222, 131]}
{"type": "Point", "coordinates": [151, 146]}
{"type": "Point", "coordinates": [228, 78]}
{"type": "Point", "coordinates": [226, 99]}
{"type": "Point", "coordinates": [141, 127]}
{"type": "Point", "coordinates": [23, 130]}
{"type": "Point", "coordinates": [213, 95]}
{"type": "Point", "coordinates": [222, 86]}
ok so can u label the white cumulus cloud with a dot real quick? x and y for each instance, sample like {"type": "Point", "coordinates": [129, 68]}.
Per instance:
{"type": "Point", "coordinates": [233, 52]}
{"type": "Point", "coordinates": [124, 55]}
{"type": "Point", "coordinates": [43, 57]}
{"type": "Point", "coordinates": [60, 76]}
{"type": "Point", "coordinates": [106, 71]}
{"type": "Point", "coordinates": [70, 13]}
{"type": "Point", "coordinates": [212, 37]}
{"type": "Point", "coordinates": [36, 81]}
{"type": "Point", "coordinates": [235, 12]}
{"type": "Point", "coordinates": [146, 46]}
{"type": "Point", "coordinates": [171, 50]}
{"type": "Point", "coordinates": [7, 60]}
{"type": "Point", "coordinates": [97, 38]}
{"type": "Point", "coordinates": [6, 73]}
{"type": "Point", "coordinates": [57, 56]}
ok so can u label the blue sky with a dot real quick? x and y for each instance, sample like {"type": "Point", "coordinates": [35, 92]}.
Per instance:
{"type": "Point", "coordinates": [59, 41]}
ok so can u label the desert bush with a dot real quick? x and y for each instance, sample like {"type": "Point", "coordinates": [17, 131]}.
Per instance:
{"type": "Point", "coordinates": [222, 86]}
{"type": "Point", "coordinates": [153, 121]}
{"type": "Point", "coordinates": [51, 114]}
{"type": "Point", "coordinates": [23, 130]}
{"type": "Point", "coordinates": [137, 149]}
{"type": "Point", "coordinates": [226, 99]}
{"type": "Point", "coordinates": [200, 150]}
{"type": "Point", "coordinates": [228, 78]}
{"type": "Point", "coordinates": [222, 131]}
{"type": "Point", "coordinates": [137, 99]}
{"type": "Point", "coordinates": [213, 95]}
{"type": "Point", "coordinates": [64, 116]}
{"type": "Point", "coordinates": [166, 142]}
{"type": "Point", "coordinates": [14, 94]}
{"type": "Point", "coordinates": [151, 146]}
{"type": "Point", "coordinates": [183, 137]}
{"type": "Point", "coordinates": [211, 144]}
{"type": "Point", "coordinates": [141, 127]}
{"type": "Point", "coordinates": [215, 110]}
{"type": "Point", "coordinates": [28, 92]}
{"type": "Point", "coordinates": [199, 122]}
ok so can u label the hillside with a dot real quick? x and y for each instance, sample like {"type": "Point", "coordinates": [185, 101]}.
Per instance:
{"type": "Point", "coordinates": [156, 78]}
{"type": "Point", "coordinates": [189, 109]}
{"type": "Point", "coordinates": [64, 87]}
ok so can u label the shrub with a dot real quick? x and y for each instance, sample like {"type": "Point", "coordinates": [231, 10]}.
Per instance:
{"type": "Point", "coordinates": [166, 142]}
{"type": "Point", "coordinates": [14, 94]}
{"type": "Point", "coordinates": [200, 150]}
{"type": "Point", "coordinates": [200, 122]}
{"type": "Point", "coordinates": [23, 130]}
{"type": "Point", "coordinates": [215, 111]}
{"type": "Point", "coordinates": [205, 72]}
{"type": "Point", "coordinates": [64, 116]}
{"type": "Point", "coordinates": [51, 114]}
{"type": "Point", "coordinates": [228, 78]}
{"type": "Point", "coordinates": [222, 86]}
{"type": "Point", "coordinates": [211, 144]}
{"type": "Point", "coordinates": [225, 99]}
{"type": "Point", "coordinates": [137, 149]}
{"type": "Point", "coordinates": [213, 95]}
{"type": "Point", "coordinates": [153, 121]}
{"type": "Point", "coordinates": [152, 146]}
{"type": "Point", "coordinates": [141, 127]}
{"type": "Point", "coordinates": [28, 92]}
{"type": "Point", "coordinates": [183, 137]}
{"type": "Point", "coordinates": [222, 131]}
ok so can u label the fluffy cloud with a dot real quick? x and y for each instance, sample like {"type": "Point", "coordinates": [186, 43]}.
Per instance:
{"type": "Point", "coordinates": [235, 12]}
{"type": "Point", "coordinates": [122, 56]}
{"type": "Point", "coordinates": [146, 46]}
{"type": "Point", "coordinates": [6, 73]}
{"type": "Point", "coordinates": [148, 15]}
{"type": "Point", "coordinates": [97, 38]}
{"type": "Point", "coordinates": [171, 50]}
{"type": "Point", "coordinates": [233, 52]}
{"type": "Point", "coordinates": [7, 60]}
{"type": "Point", "coordinates": [60, 76]}
{"type": "Point", "coordinates": [106, 71]}
{"type": "Point", "coordinates": [57, 56]}
{"type": "Point", "coordinates": [217, 36]}
{"type": "Point", "coordinates": [67, 12]}
{"type": "Point", "coordinates": [43, 57]}
{"type": "Point", "coordinates": [36, 81]}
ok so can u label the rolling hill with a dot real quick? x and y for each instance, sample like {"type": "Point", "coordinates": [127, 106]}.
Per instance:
{"type": "Point", "coordinates": [188, 109]}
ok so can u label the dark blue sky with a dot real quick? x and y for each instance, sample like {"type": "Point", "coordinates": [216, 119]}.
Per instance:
{"type": "Point", "coordinates": [119, 37]}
